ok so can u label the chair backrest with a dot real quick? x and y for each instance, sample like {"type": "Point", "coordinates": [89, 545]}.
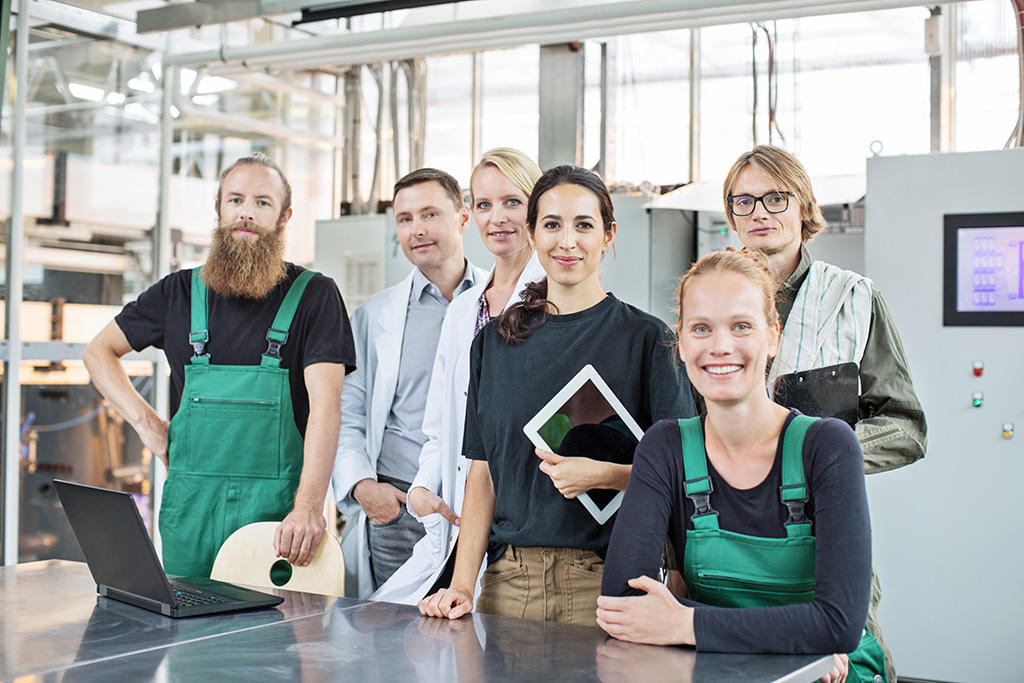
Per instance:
{"type": "Point", "coordinates": [247, 557]}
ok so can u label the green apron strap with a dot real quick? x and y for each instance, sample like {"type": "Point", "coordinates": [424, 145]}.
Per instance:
{"type": "Point", "coordinates": [277, 335]}
{"type": "Point", "coordinates": [200, 332]}
{"type": "Point", "coordinates": [697, 483]}
{"type": "Point", "coordinates": [793, 491]}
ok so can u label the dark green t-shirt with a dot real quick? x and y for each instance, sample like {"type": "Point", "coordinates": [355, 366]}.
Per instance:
{"type": "Point", "coordinates": [634, 354]}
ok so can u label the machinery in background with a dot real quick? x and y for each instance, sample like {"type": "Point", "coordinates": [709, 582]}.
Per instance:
{"type": "Point", "coordinates": [947, 530]}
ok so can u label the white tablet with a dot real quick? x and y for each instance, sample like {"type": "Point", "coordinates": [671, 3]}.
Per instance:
{"type": "Point", "coordinates": [587, 415]}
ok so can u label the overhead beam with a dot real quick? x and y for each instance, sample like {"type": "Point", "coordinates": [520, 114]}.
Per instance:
{"type": "Point", "coordinates": [206, 12]}
{"type": "Point", "coordinates": [545, 27]}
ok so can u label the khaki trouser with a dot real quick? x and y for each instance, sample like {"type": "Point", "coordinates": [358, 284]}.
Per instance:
{"type": "Point", "coordinates": [876, 628]}
{"type": "Point", "coordinates": [548, 584]}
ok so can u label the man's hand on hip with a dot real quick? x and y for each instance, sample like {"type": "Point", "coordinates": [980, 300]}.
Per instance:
{"type": "Point", "coordinates": [380, 502]}
{"type": "Point", "coordinates": [298, 536]}
{"type": "Point", "coordinates": [153, 433]}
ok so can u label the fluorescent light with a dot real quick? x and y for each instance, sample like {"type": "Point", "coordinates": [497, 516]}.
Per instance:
{"type": "Point", "coordinates": [115, 98]}
{"type": "Point", "coordinates": [86, 92]}
{"type": "Point", "coordinates": [187, 78]}
{"type": "Point", "coordinates": [137, 112]}
{"type": "Point", "coordinates": [212, 84]}
{"type": "Point", "coordinates": [142, 85]}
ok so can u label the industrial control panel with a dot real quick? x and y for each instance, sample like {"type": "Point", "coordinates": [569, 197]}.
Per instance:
{"type": "Point", "coordinates": [948, 531]}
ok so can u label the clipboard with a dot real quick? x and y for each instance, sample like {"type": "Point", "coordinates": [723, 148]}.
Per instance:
{"type": "Point", "coordinates": [831, 391]}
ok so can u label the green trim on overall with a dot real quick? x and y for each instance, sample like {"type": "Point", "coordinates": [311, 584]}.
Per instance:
{"type": "Point", "coordinates": [728, 569]}
{"type": "Point", "coordinates": [235, 452]}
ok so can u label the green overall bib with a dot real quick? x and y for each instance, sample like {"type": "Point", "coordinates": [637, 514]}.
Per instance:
{"type": "Point", "coordinates": [235, 452]}
{"type": "Point", "coordinates": [728, 569]}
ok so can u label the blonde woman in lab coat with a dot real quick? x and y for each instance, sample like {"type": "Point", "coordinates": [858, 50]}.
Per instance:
{"type": "Point", "coordinates": [499, 188]}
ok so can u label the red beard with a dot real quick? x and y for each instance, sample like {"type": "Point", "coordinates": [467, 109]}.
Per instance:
{"type": "Point", "coordinates": [245, 266]}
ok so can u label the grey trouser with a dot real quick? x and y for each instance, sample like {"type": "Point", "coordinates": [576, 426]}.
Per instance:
{"type": "Point", "coordinates": [391, 543]}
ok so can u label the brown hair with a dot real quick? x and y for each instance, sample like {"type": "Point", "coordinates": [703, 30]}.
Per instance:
{"type": "Point", "coordinates": [749, 263]}
{"type": "Point", "coordinates": [787, 173]}
{"type": "Point", "coordinates": [522, 318]}
{"type": "Point", "coordinates": [256, 159]}
{"type": "Point", "coordinates": [432, 175]}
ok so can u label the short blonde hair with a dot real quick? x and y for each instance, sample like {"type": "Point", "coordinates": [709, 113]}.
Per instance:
{"type": "Point", "coordinates": [514, 165]}
{"type": "Point", "coordinates": [787, 173]}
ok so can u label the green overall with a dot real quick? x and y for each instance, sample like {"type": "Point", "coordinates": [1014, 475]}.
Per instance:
{"type": "Point", "coordinates": [728, 569]}
{"type": "Point", "coordinates": [235, 452]}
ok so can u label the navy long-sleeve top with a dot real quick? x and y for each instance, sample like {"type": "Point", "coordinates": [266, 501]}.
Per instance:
{"type": "Point", "coordinates": [655, 505]}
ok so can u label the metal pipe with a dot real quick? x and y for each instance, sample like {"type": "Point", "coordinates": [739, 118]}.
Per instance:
{"type": "Point", "coordinates": [694, 146]}
{"type": "Point", "coordinates": [162, 266]}
{"type": "Point", "coordinates": [85, 106]}
{"type": "Point", "coordinates": [477, 110]}
{"type": "Point", "coordinates": [15, 292]}
{"type": "Point", "coordinates": [553, 26]}
{"type": "Point", "coordinates": [267, 82]}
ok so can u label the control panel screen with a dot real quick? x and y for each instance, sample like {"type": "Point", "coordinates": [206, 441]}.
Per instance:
{"type": "Point", "coordinates": [984, 269]}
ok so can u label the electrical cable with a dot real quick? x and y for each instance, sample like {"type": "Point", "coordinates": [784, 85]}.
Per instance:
{"type": "Point", "coordinates": [142, 384]}
{"type": "Point", "coordinates": [771, 78]}
{"type": "Point", "coordinates": [1016, 138]}
{"type": "Point", "coordinates": [773, 83]}
{"type": "Point", "coordinates": [754, 71]}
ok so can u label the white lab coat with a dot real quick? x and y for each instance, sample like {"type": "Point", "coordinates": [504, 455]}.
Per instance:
{"type": "Point", "coordinates": [378, 326]}
{"type": "Point", "coordinates": [443, 468]}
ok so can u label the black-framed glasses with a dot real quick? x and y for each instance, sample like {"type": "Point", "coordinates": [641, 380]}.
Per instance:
{"type": "Point", "coordinates": [773, 202]}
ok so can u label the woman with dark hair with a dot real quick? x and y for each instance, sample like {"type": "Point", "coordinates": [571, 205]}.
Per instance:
{"type": "Point", "coordinates": [765, 508]}
{"type": "Point", "coordinates": [545, 552]}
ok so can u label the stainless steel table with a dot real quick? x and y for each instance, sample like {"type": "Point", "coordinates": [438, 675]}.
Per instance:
{"type": "Point", "coordinates": [56, 628]}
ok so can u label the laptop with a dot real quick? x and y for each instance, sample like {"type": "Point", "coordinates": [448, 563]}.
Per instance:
{"type": "Point", "coordinates": [123, 561]}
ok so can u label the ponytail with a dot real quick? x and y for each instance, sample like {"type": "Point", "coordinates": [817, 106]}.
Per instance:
{"type": "Point", "coordinates": [521, 318]}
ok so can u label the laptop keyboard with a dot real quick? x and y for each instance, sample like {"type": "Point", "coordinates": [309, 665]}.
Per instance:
{"type": "Point", "coordinates": [187, 597]}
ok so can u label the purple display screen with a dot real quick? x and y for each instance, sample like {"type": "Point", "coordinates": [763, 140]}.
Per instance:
{"type": "Point", "coordinates": [990, 269]}
{"type": "Point", "coordinates": [983, 269]}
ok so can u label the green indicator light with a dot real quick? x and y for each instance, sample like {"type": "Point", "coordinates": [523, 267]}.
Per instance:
{"type": "Point", "coordinates": [722, 231]}
{"type": "Point", "coordinates": [977, 403]}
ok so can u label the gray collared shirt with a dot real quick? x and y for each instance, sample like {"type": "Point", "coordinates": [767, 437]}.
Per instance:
{"type": "Point", "coordinates": [403, 432]}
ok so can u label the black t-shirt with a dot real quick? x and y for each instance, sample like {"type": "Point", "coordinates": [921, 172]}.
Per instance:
{"type": "Point", "coordinates": [631, 350]}
{"type": "Point", "coordinates": [319, 333]}
{"type": "Point", "coordinates": [655, 504]}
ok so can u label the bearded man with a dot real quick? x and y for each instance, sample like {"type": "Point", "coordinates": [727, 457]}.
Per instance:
{"type": "Point", "coordinates": [258, 350]}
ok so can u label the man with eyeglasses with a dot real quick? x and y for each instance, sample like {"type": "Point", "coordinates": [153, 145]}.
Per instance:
{"type": "Point", "coordinates": [829, 315]}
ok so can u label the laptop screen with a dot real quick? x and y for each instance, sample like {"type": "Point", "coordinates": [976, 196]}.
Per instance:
{"type": "Point", "coordinates": [114, 540]}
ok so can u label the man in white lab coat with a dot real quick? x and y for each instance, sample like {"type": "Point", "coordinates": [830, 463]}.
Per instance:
{"type": "Point", "coordinates": [396, 334]}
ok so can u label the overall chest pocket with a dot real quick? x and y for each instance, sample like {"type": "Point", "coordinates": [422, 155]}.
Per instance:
{"type": "Point", "coordinates": [240, 437]}
{"type": "Point", "coordinates": [732, 590]}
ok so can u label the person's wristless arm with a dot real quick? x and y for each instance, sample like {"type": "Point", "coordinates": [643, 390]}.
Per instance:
{"type": "Point", "coordinates": [477, 517]}
{"type": "Point", "coordinates": [572, 475]}
{"type": "Point", "coordinates": [298, 536]}
{"type": "Point", "coordinates": [655, 618]}
{"type": "Point", "coordinates": [102, 358]}
{"type": "Point", "coordinates": [423, 502]}
{"type": "Point", "coordinates": [380, 503]}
